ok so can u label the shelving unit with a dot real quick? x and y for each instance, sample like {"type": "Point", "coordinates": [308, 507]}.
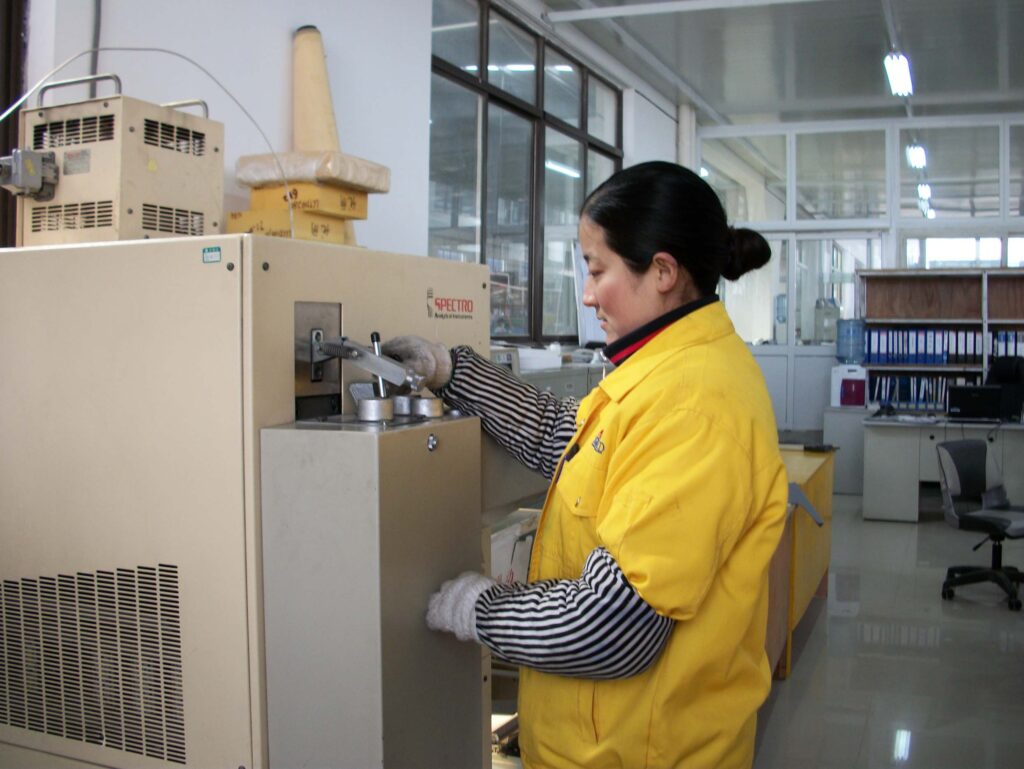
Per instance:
{"type": "Point", "coordinates": [928, 329]}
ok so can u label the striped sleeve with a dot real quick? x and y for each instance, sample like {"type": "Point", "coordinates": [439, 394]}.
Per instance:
{"type": "Point", "coordinates": [533, 426]}
{"type": "Point", "coordinates": [596, 626]}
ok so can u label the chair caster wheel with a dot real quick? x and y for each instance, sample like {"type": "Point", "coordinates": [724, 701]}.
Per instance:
{"type": "Point", "coordinates": [1015, 604]}
{"type": "Point", "coordinates": [947, 594]}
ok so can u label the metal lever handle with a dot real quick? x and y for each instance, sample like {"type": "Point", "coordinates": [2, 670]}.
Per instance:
{"type": "Point", "coordinates": [366, 359]}
{"type": "Point", "coordinates": [189, 103]}
{"type": "Point", "coordinates": [78, 81]}
{"type": "Point", "coordinates": [382, 390]}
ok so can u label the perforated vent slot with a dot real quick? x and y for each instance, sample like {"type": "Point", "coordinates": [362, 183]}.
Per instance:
{"type": "Point", "coordinates": [96, 658]}
{"type": "Point", "coordinates": [62, 133]}
{"type": "Point", "coordinates": [176, 221]}
{"type": "Point", "coordinates": [174, 138]}
{"type": "Point", "coordinates": [73, 216]}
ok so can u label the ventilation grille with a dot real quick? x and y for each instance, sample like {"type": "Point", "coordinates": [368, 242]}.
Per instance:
{"type": "Point", "coordinates": [63, 133]}
{"type": "Point", "coordinates": [73, 216]}
{"type": "Point", "coordinates": [176, 221]}
{"type": "Point", "coordinates": [175, 138]}
{"type": "Point", "coordinates": [96, 658]}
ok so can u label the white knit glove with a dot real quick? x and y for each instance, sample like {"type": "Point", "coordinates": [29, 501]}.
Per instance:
{"type": "Point", "coordinates": [452, 609]}
{"type": "Point", "coordinates": [431, 360]}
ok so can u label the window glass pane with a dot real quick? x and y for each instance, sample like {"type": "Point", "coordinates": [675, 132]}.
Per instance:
{"type": "Point", "coordinates": [826, 281]}
{"type": "Point", "coordinates": [512, 59]}
{"type": "Point", "coordinates": [509, 152]}
{"type": "Point", "coordinates": [456, 32]}
{"type": "Point", "coordinates": [959, 173]}
{"type": "Point", "coordinates": [563, 196]}
{"type": "Point", "coordinates": [840, 175]}
{"type": "Point", "coordinates": [1016, 169]}
{"type": "Point", "coordinates": [599, 168]}
{"type": "Point", "coordinates": [454, 172]}
{"type": "Point", "coordinates": [757, 301]}
{"type": "Point", "coordinates": [749, 176]}
{"type": "Point", "coordinates": [602, 111]}
{"type": "Point", "coordinates": [945, 253]}
{"type": "Point", "coordinates": [1015, 252]}
{"type": "Point", "coordinates": [562, 95]}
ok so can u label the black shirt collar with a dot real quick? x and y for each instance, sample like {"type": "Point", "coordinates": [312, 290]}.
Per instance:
{"type": "Point", "coordinates": [623, 347]}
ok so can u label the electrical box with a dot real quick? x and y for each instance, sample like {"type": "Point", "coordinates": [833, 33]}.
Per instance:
{"type": "Point", "coordinates": [127, 169]}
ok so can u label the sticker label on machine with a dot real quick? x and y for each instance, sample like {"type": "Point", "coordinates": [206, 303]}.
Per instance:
{"type": "Point", "coordinates": [211, 255]}
{"type": "Point", "coordinates": [77, 162]}
{"type": "Point", "coordinates": [449, 307]}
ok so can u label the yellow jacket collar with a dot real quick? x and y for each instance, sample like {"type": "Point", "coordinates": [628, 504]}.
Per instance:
{"type": "Point", "coordinates": [699, 327]}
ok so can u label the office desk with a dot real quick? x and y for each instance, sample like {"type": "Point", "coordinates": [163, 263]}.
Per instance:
{"type": "Point", "coordinates": [799, 569]}
{"type": "Point", "coordinates": [900, 454]}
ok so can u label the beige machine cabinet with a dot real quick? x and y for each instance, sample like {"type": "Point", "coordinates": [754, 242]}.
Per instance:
{"type": "Point", "coordinates": [360, 524]}
{"type": "Point", "coordinates": [136, 378]}
{"type": "Point", "coordinates": [126, 169]}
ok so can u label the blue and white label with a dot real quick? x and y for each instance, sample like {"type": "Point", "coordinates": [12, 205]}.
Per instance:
{"type": "Point", "coordinates": [211, 255]}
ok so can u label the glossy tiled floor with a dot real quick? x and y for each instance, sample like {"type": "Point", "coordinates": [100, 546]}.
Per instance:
{"type": "Point", "coordinates": [890, 675]}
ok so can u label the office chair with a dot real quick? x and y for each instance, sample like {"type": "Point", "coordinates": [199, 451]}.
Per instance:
{"type": "Point", "coordinates": [974, 499]}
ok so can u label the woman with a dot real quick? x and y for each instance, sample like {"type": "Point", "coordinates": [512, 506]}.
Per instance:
{"type": "Point", "coordinates": [641, 630]}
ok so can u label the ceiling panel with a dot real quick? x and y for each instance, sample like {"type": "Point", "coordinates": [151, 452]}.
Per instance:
{"type": "Point", "coordinates": [823, 59]}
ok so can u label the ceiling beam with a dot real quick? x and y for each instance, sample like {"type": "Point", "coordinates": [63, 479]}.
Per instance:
{"type": "Point", "coordinates": [671, 6]}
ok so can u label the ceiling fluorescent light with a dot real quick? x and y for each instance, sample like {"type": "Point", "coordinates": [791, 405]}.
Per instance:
{"type": "Point", "coordinates": [916, 156]}
{"type": "Point", "coordinates": [897, 68]}
{"type": "Point", "coordinates": [924, 191]}
{"type": "Point", "coordinates": [519, 68]}
{"type": "Point", "coordinates": [558, 168]}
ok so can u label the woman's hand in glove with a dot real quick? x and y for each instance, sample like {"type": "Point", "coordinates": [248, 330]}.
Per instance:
{"type": "Point", "coordinates": [453, 607]}
{"type": "Point", "coordinates": [431, 360]}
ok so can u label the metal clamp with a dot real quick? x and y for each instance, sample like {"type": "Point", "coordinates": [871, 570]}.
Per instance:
{"type": "Point", "coordinates": [364, 358]}
{"type": "Point", "coordinates": [78, 81]}
{"type": "Point", "coordinates": [188, 103]}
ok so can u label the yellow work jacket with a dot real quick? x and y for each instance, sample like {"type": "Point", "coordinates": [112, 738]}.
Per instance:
{"type": "Point", "coordinates": [678, 474]}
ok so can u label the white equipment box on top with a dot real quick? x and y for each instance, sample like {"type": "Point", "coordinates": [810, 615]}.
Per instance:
{"type": "Point", "coordinates": [127, 169]}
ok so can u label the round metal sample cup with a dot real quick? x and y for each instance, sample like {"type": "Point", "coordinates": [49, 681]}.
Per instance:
{"type": "Point", "coordinates": [431, 408]}
{"type": "Point", "coordinates": [404, 404]}
{"type": "Point", "coordinates": [376, 410]}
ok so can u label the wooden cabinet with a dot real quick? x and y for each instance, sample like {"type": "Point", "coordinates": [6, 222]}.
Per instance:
{"type": "Point", "coordinates": [929, 329]}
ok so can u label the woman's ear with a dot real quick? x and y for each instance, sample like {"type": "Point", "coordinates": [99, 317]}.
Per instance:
{"type": "Point", "coordinates": [667, 272]}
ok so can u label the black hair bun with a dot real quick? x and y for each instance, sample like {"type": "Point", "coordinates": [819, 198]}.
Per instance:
{"type": "Point", "coordinates": [748, 251]}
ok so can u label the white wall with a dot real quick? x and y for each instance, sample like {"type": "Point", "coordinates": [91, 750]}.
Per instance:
{"type": "Point", "coordinates": [648, 133]}
{"type": "Point", "coordinates": [378, 59]}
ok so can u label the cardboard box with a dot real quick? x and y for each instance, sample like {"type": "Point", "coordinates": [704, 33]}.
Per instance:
{"type": "Point", "coordinates": [325, 199]}
{"type": "Point", "coordinates": [308, 226]}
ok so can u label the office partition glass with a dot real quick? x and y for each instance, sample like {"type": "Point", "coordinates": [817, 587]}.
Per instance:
{"type": "Point", "coordinates": [602, 111]}
{"type": "Point", "coordinates": [954, 175]}
{"type": "Point", "coordinates": [455, 33]}
{"type": "Point", "coordinates": [944, 253]}
{"type": "Point", "coordinates": [563, 83]}
{"type": "Point", "coordinates": [841, 175]}
{"type": "Point", "coordinates": [599, 168]}
{"type": "Point", "coordinates": [509, 199]}
{"type": "Point", "coordinates": [454, 213]}
{"type": "Point", "coordinates": [512, 59]}
{"type": "Point", "coordinates": [826, 283]}
{"type": "Point", "coordinates": [1016, 170]}
{"type": "Point", "coordinates": [749, 175]}
{"type": "Point", "coordinates": [563, 196]}
{"type": "Point", "coordinates": [757, 303]}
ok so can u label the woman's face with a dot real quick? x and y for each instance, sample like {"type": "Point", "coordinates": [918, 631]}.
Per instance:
{"type": "Point", "coordinates": [624, 301]}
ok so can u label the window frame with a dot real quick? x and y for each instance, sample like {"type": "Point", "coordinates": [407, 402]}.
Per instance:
{"type": "Point", "coordinates": [480, 84]}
